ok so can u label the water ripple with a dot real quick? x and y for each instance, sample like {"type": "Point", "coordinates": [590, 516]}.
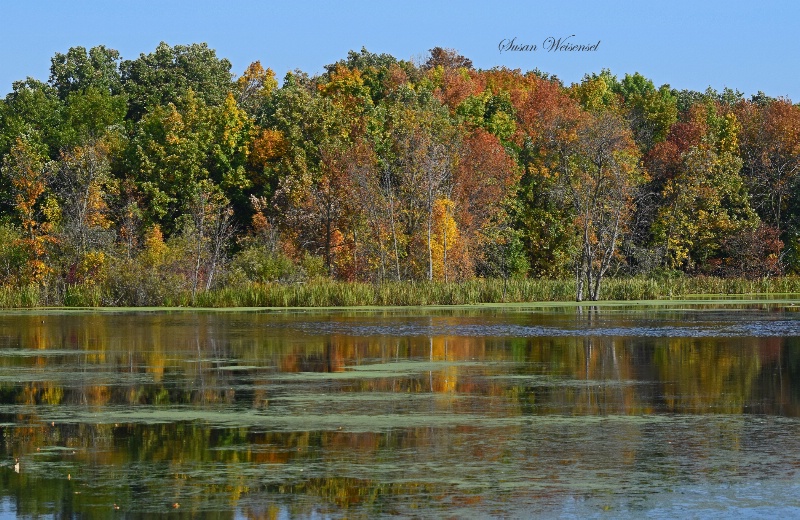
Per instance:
{"type": "Point", "coordinates": [761, 328]}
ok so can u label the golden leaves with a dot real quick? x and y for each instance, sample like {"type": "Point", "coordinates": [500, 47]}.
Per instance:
{"type": "Point", "coordinates": [266, 146]}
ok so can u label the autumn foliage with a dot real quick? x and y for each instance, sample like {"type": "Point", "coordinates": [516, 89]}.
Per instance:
{"type": "Point", "coordinates": [168, 175]}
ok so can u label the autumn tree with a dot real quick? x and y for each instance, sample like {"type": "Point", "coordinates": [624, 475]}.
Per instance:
{"type": "Point", "coordinates": [328, 199]}
{"type": "Point", "coordinates": [447, 59]}
{"type": "Point", "coordinates": [483, 186]}
{"type": "Point", "coordinates": [253, 87]}
{"type": "Point", "coordinates": [598, 175]}
{"type": "Point", "coordinates": [83, 183]}
{"type": "Point", "coordinates": [547, 125]}
{"type": "Point", "coordinates": [27, 171]}
{"type": "Point", "coordinates": [384, 169]}
{"type": "Point", "coordinates": [753, 253]}
{"type": "Point", "coordinates": [305, 126]}
{"type": "Point", "coordinates": [267, 148]}
{"type": "Point", "coordinates": [706, 201]}
{"type": "Point", "coordinates": [770, 150]}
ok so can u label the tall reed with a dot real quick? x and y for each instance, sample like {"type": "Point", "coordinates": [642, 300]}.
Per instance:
{"type": "Point", "coordinates": [329, 293]}
{"type": "Point", "coordinates": [20, 297]}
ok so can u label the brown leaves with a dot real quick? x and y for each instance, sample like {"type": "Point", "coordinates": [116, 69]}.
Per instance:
{"type": "Point", "coordinates": [753, 253]}
{"type": "Point", "coordinates": [458, 85]}
{"type": "Point", "coordinates": [482, 180]}
{"type": "Point", "coordinates": [547, 114]}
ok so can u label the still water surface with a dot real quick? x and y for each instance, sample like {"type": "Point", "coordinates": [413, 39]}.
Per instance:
{"type": "Point", "coordinates": [664, 411]}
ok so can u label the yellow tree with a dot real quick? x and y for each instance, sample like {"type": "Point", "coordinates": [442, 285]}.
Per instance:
{"type": "Point", "coordinates": [26, 169]}
{"type": "Point", "coordinates": [446, 245]}
{"type": "Point", "coordinates": [254, 86]}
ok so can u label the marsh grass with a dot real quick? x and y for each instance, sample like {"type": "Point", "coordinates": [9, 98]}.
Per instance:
{"type": "Point", "coordinates": [328, 293]}
{"type": "Point", "coordinates": [83, 296]}
{"type": "Point", "coordinates": [19, 297]}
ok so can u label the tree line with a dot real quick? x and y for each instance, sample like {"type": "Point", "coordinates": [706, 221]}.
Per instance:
{"type": "Point", "coordinates": [137, 177]}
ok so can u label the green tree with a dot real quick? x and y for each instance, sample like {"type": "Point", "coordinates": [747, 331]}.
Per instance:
{"type": "Point", "coordinates": [177, 146]}
{"type": "Point", "coordinates": [91, 114]}
{"type": "Point", "coordinates": [597, 92]}
{"type": "Point", "coordinates": [79, 70]}
{"type": "Point", "coordinates": [494, 113]}
{"type": "Point", "coordinates": [168, 73]}
{"type": "Point", "coordinates": [32, 109]}
{"type": "Point", "coordinates": [650, 112]}
{"type": "Point", "coordinates": [14, 256]}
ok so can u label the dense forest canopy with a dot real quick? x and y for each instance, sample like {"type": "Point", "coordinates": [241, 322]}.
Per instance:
{"type": "Point", "coordinates": [169, 170]}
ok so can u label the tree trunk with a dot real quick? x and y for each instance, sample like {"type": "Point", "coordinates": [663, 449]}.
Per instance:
{"type": "Point", "coordinates": [222, 232]}
{"type": "Point", "coordinates": [328, 243]}
{"type": "Point", "coordinates": [444, 248]}
{"type": "Point", "coordinates": [595, 289]}
{"type": "Point", "coordinates": [430, 247]}
{"type": "Point", "coordinates": [391, 221]}
{"type": "Point", "coordinates": [355, 255]}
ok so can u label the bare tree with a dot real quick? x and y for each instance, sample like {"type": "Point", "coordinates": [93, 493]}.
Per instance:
{"type": "Point", "coordinates": [209, 231]}
{"type": "Point", "coordinates": [447, 58]}
{"type": "Point", "coordinates": [82, 177]}
{"type": "Point", "coordinates": [599, 174]}
{"type": "Point", "coordinates": [423, 166]}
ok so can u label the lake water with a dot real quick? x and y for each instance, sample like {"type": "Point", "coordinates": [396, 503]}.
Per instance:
{"type": "Point", "coordinates": [518, 412]}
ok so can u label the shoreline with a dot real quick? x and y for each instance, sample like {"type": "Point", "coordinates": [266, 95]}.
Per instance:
{"type": "Point", "coordinates": [789, 300]}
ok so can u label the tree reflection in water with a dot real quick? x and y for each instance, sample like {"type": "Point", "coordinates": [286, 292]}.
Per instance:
{"type": "Point", "coordinates": [395, 412]}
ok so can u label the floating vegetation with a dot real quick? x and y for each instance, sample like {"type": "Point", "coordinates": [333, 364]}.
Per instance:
{"type": "Point", "coordinates": [524, 411]}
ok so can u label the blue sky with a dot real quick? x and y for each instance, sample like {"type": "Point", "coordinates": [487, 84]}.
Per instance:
{"type": "Point", "coordinates": [688, 44]}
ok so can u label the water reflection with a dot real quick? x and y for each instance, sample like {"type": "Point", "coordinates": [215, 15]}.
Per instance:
{"type": "Point", "coordinates": [265, 414]}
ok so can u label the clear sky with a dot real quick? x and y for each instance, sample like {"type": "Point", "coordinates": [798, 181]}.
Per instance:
{"type": "Point", "coordinates": [747, 46]}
